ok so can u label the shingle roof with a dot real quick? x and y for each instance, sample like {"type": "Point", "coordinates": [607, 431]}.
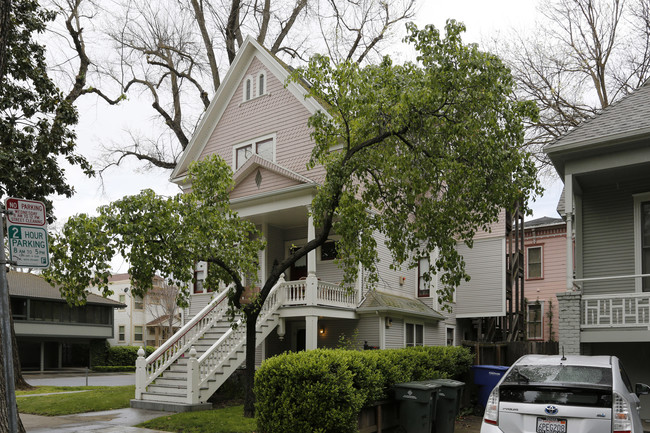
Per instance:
{"type": "Point", "coordinates": [543, 221]}
{"type": "Point", "coordinates": [383, 302]}
{"type": "Point", "coordinates": [628, 117]}
{"type": "Point", "coordinates": [34, 286]}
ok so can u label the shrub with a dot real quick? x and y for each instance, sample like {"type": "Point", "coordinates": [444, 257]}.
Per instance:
{"type": "Point", "coordinates": [125, 355]}
{"type": "Point", "coordinates": [98, 352]}
{"type": "Point", "coordinates": [113, 368]}
{"type": "Point", "coordinates": [324, 390]}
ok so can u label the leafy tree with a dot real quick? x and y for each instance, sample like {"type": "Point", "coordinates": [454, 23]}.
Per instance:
{"type": "Point", "coordinates": [423, 153]}
{"type": "Point", "coordinates": [36, 122]}
{"type": "Point", "coordinates": [581, 57]}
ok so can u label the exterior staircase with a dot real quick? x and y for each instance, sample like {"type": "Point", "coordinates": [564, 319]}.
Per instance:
{"type": "Point", "coordinates": [182, 374]}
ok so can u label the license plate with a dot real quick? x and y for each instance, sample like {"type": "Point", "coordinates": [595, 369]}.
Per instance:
{"type": "Point", "coordinates": [551, 425]}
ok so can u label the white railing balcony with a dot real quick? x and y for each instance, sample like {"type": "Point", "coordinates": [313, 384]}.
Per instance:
{"type": "Point", "coordinates": [313, 292]}
{"type": "Point", "coordinates": [612, 311]}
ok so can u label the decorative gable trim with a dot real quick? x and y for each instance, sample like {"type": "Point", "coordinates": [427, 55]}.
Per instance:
{"type": "Point", "coordinates": [256, 161]}
{"type": "Point", "coordinates": [249, 50]}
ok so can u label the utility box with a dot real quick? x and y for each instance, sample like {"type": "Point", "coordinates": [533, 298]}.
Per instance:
{"type": "Point", "coordinates": [448, 406]}
{"type": "Point", "coordinates": [417, 405]}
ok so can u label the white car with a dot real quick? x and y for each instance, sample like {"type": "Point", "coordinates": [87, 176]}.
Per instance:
{"type": "Point", "coordinates": [558, 394]}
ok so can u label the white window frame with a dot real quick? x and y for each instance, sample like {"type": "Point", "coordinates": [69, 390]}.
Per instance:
{"type": "Point", "coordinates": [252, 143]}
{"type": "Point", "coordinates": [260, 74]}
{"type": "Point", "coordinates": [541, 262]}
{"type": "Point", "coordinates": [249, 78]}
{"type": "Point", "coordinates": [638, 267]}
{"type": "Point", "coordinates": [415, 325]}
{"type": "Point", "coordinates": [121, 333]}
{"type": "Point", "coordinates": [135, 303]}
{"type": "Point", "coordinates": [541, 320]}
{"type": "Point", "coordinates": [331, 238]}
{"type": "Point", "coordinates": [142, 333]}
{"type": "Point", "coordinates": [447, 328]}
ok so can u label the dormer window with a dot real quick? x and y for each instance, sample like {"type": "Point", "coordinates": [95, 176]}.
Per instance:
{"type": "Point", "coordinates": [263, 147]}
{"type": "Point", "coordinates": [248, 89]}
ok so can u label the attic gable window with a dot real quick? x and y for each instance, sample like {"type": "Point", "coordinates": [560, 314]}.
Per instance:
{"type": "Point", "coordinates": [261, 84]}
{"type": "Point", "coordinates": [264, 147]}
{"type": "Point", "coordinates": [248, 88]}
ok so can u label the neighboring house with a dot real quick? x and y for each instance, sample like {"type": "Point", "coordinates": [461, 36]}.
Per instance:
{"type": "Point", "coordinates": [51, 334]}
{"type": "Point", "coordinates": [605, 166]}
{"type": "Point", "coordinates": [259, 127]}
{"type": "Point", "coordinates": [142, 322]}
{"type": "Point", "coordinates": [545, 267]}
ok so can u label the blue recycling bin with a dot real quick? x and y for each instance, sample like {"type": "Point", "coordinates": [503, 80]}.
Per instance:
{"type": "Point", "coordinates": [486, 377]}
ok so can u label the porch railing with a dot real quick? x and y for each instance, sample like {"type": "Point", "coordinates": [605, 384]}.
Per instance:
{"type": "Point", "coordinates": [327, 294]}
{"type": "Point", "coordinates": [616, 311]}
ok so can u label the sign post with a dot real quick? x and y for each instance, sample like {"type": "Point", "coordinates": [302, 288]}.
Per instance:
{"type": "Point", "coordinates": [28, 246]}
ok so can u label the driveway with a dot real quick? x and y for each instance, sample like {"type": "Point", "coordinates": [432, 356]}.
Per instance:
{"type": "Point", "coordinates": [111, 421]}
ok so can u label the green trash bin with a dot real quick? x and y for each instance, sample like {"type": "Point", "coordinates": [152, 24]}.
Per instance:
{"type": "Point", "coordinates": [417, 405]}
{"type": "Point", "coordinates": [448, 405]}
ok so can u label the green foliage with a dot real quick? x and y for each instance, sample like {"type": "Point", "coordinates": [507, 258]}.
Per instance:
{"type": "Point", "coordinates": [162, 236]}
{"type": "Point", "coordinates": [324, 390]}
{"type": "Point", "coordinates": [35, 119]}
{"type": "Point", "coordinates": [120, 356]}
{"type": "Point", "coordinates": [113, 368]}
{"type": "Point", "coordinates": [433, 147]}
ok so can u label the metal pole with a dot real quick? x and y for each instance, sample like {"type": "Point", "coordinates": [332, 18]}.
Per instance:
{"type": "Point", "coordinates": [7, 359]}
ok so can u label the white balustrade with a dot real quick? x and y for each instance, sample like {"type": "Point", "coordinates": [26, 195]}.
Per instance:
{"type": "Point", "coordinates": [620, 310]}
{"type": "Point", "coordinates": [294, 292]}
{"type": "Point", "coordinates": [173, 348]}
{"type": "Point", "coordinates": [335, 295]}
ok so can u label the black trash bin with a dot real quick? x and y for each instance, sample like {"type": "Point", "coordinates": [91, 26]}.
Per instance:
{"type": "Point", "coordinates": [448, 405]}
{"type": "Point", "coordinates": [417, 405]}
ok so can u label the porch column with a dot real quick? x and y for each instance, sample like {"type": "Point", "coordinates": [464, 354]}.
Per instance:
{"type": "Point", "coordinates": [311, 332]}
{"type": "Point", "coordinates": [569, 322]}
{"type": "Point", "coordinates": [42, 355]}
{"type": "Point", "coordinates": [568, 208]}
{"type": "Point", "coordinates": [311, 235]}
{"type": "Point", "coordinates": [60, 357]}
{"type": "Point", "coordinates": [311, 290]}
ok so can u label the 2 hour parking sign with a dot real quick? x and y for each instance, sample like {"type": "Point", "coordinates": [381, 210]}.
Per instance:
{"type": "Point", "coordinates": [27, 233]}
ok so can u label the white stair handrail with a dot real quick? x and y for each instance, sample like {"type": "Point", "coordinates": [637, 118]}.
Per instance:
{"type": "Point", "coordinates": [233, 339]}
{"type": "Point", "coordinates": [182, 340]}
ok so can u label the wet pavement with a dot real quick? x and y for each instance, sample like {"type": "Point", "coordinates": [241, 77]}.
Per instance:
{"type": "Point", "coordinates": [111, 421]}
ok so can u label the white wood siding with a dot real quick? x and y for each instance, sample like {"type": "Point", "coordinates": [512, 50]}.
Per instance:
{"type": "Point", "coordinates": [484, 294]}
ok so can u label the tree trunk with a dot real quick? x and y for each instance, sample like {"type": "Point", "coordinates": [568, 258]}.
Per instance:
{"type": "Point", "coordinates": [19, 381]}
{"type": "Point", "coordinates": [4, 413]}
{"type": "Point", "coordinates": [249, 396]}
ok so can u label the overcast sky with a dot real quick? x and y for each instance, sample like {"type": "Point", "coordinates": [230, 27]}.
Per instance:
{"type": "Point", "coordinates": [101, 124]}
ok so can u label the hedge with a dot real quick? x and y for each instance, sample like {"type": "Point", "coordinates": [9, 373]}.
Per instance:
{"type": "Point", "coordinates": [323, 391]}
{"type": "Point", "coordinates": [123, 355]}
{"type": "Point", "coordinates": [113, 368]}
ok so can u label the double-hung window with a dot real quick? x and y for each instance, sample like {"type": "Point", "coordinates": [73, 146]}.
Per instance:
{"type": "Point", "coordinates": [424, 286]}
{"type": "Point", "coordinates": [414, 335]}
{"type": "Point", "coordinates": [263, 147]}
{"type": "Point", "coordinates": [137, 333]}
{"type": "Point", "coordinates": [535, 321]}
{"type": "Point", "coordinates": [534, 263]}
{"type": "Point", "coordinates": [121, 333]}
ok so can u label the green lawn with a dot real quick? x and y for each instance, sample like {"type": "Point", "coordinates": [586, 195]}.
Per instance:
{"type": "Point", "coordinates": [226, 420]}
{"type": "Point", "coordinates": [96, 399]}
{"type": "Point", "coordinates": [51, 389]}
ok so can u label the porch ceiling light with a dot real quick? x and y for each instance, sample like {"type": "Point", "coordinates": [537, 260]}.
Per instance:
{"type": "Point", "coordinates": [322, 330]}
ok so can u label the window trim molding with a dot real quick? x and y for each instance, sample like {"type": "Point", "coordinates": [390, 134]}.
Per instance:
{"type": "Point", "coordinates": [447, 327]}
{"type": "Point", "coordinates": [252, 142]}
{"type": "Point", "coordinates": [261, 73]}
{"type": "Point", "coordinates": [248, 78]}
{"type": "Point", "coordinates": [541, 320]}
{"type": "Point", "coordinates": [541, 261]}
{"type": "Point", "coordinates": [121, 340]}
{"type": "Point", "coordinates": [143, 336]}
{"type": "Point", "coordinates": [638, 267]}
{"type": "Point", "coordinates": [414, 323]}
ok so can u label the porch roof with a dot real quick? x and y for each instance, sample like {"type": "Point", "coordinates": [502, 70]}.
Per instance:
{"type": "Point", "coordinates": [381, 302]}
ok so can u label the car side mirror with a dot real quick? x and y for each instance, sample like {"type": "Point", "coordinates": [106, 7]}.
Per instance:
{"type": "Point", "coordinates": [641, 389]}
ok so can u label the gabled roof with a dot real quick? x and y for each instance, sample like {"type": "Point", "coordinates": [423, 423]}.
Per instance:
{"type": "Point", "coordinates": [380, 302]}
{"type": "Point", "coordinates": [256, 161]}
{"type": "Point", "coordinates": [623, 121]}
{"type": "Point", "coordinates": [543, 222]}
{"type": "Point", "coordinates": [32, 286]}
{"type": "Point", "coordinates": [249, 50]}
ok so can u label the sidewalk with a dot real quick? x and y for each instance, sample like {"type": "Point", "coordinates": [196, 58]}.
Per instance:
{"type": "Point", "coordinates": [78, 378]}
{"type": "Point", "coordinates": [111, 421]}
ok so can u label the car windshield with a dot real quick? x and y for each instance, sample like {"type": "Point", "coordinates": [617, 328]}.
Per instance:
{"type": "Point", "coordinates": [550, 374]}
